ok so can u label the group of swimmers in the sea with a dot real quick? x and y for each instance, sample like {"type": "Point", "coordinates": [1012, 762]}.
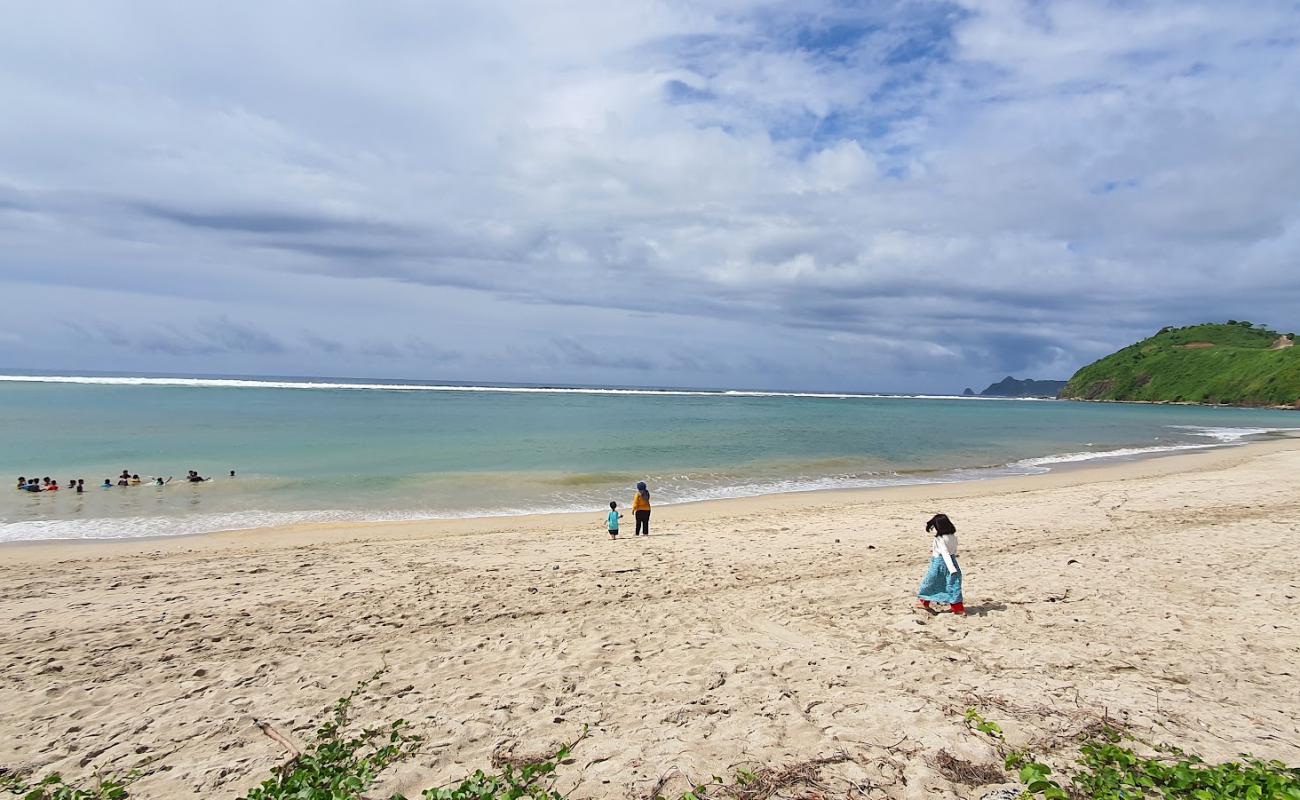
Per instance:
{"type": "Point", "coordinates": [47, 485]}
{"type": "Point", "coordinates": [127, 478]}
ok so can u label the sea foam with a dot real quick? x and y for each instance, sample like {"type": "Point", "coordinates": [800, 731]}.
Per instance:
{"type": "Point", "coordinates": [1222, 436]}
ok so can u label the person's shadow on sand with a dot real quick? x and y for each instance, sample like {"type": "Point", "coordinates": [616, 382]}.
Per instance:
{"type": "Point", "coordinates": [984, 609]}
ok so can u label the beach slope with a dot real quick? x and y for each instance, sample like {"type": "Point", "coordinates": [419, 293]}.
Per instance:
{"type": "Point", "coordinates": [756, 632]}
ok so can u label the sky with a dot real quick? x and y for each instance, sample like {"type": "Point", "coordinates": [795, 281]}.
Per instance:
{"type": "Point", "coordinates": [884, 196]}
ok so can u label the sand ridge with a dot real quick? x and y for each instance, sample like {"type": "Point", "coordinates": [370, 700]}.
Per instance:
{"type": "Point", "coordinates": [756, 632]}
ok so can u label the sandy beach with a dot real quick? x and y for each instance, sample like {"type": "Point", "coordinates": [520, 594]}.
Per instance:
{"type": "Point", "coordinates": [764, 631]}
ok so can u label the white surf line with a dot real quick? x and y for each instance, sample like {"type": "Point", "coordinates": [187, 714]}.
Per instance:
{"type": "Point", "coordinates": [1222, 437]}
{"type": "Point", "coordinates": [1230, 434]}
{"type": "Point", "coordinates": [1122, 452]}
{"type": "Point", "coordinates": [238, 383]}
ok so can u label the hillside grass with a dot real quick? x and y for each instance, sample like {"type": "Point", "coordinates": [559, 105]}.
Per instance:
{"type": "Point", "coordinates": [1174, 366]}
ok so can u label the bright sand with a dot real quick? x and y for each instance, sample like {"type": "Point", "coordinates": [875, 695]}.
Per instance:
{"type": "Point", "coordinates": [752, 632]}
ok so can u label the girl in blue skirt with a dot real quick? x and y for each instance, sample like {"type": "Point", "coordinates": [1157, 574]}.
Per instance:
{"type": "Point", "coordinates": [942, 581]}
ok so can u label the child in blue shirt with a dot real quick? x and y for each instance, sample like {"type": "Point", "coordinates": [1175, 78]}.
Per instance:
{"type": "Point", "coordinates": [614, 517]}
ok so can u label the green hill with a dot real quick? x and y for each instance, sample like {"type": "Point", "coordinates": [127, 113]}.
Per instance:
{"type": "Point", "coordinates": [1029, 387]}
{"type": "Point", "coordinates": [1235, 363]}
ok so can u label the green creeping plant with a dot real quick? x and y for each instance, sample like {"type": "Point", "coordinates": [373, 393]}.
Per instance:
{"type": "Point", "coordinates": [975, 720]}
{"type": "Point", "coordinates": [52, 787]}
{"type": "Point", "coordinates": [1109, 769]}
{"type": "Point", "coordinates": [532, 781]}
{"type": "Point", "coordinates": [338, 766]}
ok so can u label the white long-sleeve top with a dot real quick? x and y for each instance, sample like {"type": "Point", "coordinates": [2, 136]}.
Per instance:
{"type": "Point", "coordinates": [945, 547]}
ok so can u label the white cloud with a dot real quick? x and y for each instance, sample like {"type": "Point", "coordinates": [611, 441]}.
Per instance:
{"type": "Point", "coordinates": [735, 192]}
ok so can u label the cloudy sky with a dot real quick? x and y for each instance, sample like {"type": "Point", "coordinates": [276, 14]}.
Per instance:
{"type": "Point", "coordinates": [894, 196]}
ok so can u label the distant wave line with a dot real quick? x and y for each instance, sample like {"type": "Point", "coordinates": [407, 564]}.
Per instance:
{"type": "Point", "coordinates": [240, 383]}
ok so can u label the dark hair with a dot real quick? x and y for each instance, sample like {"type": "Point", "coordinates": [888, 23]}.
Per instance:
{"type": "Point", "coordinates": [612, 504]}
{"type": "Point", "coordinates": [940, 525]}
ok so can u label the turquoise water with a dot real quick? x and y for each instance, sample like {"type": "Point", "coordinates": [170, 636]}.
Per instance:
{"type": "Point", "coordinates": [378, 452]}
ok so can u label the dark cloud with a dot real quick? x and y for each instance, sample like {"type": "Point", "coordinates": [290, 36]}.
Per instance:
{"type": "Point", "coordinates": [322, 344]}
{"type": "Point", "coordinates": [259, 222]}
{"type": "Point", "coordinates": [571, 352]}
{"type": "Point", "coordinates": [413, 348]}
{"type": "Point", "coordinates": [200, 338]}
{"type": "Point", "coordinates": [340, 252]}
{"type": "Point", "coordinates": [236, 337]}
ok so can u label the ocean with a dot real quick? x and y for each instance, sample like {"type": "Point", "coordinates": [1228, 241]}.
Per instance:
{"type": "Point", "coordinates": [315, 450]}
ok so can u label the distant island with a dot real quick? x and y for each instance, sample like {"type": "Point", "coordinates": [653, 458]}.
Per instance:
{"type": "Point", "coordinates": [1012, 387]}
{"type": "Point", "coordinates": [1235, 363]}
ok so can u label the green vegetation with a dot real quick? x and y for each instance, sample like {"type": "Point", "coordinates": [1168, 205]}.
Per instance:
{"type": "Point", "coordinates": [1231, 364]}
{"type": "Point", "coordinates": [977, 722]}
{"type": "Point", "coordinates": [1029, 387]}
{"type": "Point", "coordinates": [52, 787]}
{"type": "Point", "coordinates": [531, 779]}
{"type": "Point", "coordinates": [338, 765]}
{"type": "Point", "coordinates": [1109, 768]}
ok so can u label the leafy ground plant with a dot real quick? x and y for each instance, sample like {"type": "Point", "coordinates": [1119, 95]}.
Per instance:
{"type": "Point", "coordinates": [338, 765]}
{"type": "Point", "coordinates": [533, 781]}
{"type": "Point", "coordinates": [1109, 768]}
{"type": "Point", "coordinates": [342, 766]}
{"type": "Point", "coordinates": [52, 787]}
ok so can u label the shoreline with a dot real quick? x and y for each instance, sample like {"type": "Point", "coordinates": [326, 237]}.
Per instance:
{"type": "Point", "coordinates": [763, 631]}
{"type": "Point", "coordinates": [1060, 475]}
{"type": "Point", "coordinates": [299, 467]}
{"type": "Point", "coordinates": [1263, 407]}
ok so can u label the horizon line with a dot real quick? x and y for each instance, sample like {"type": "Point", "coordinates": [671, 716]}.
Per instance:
{"type": "Point", "coordinates": [181, 380]}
